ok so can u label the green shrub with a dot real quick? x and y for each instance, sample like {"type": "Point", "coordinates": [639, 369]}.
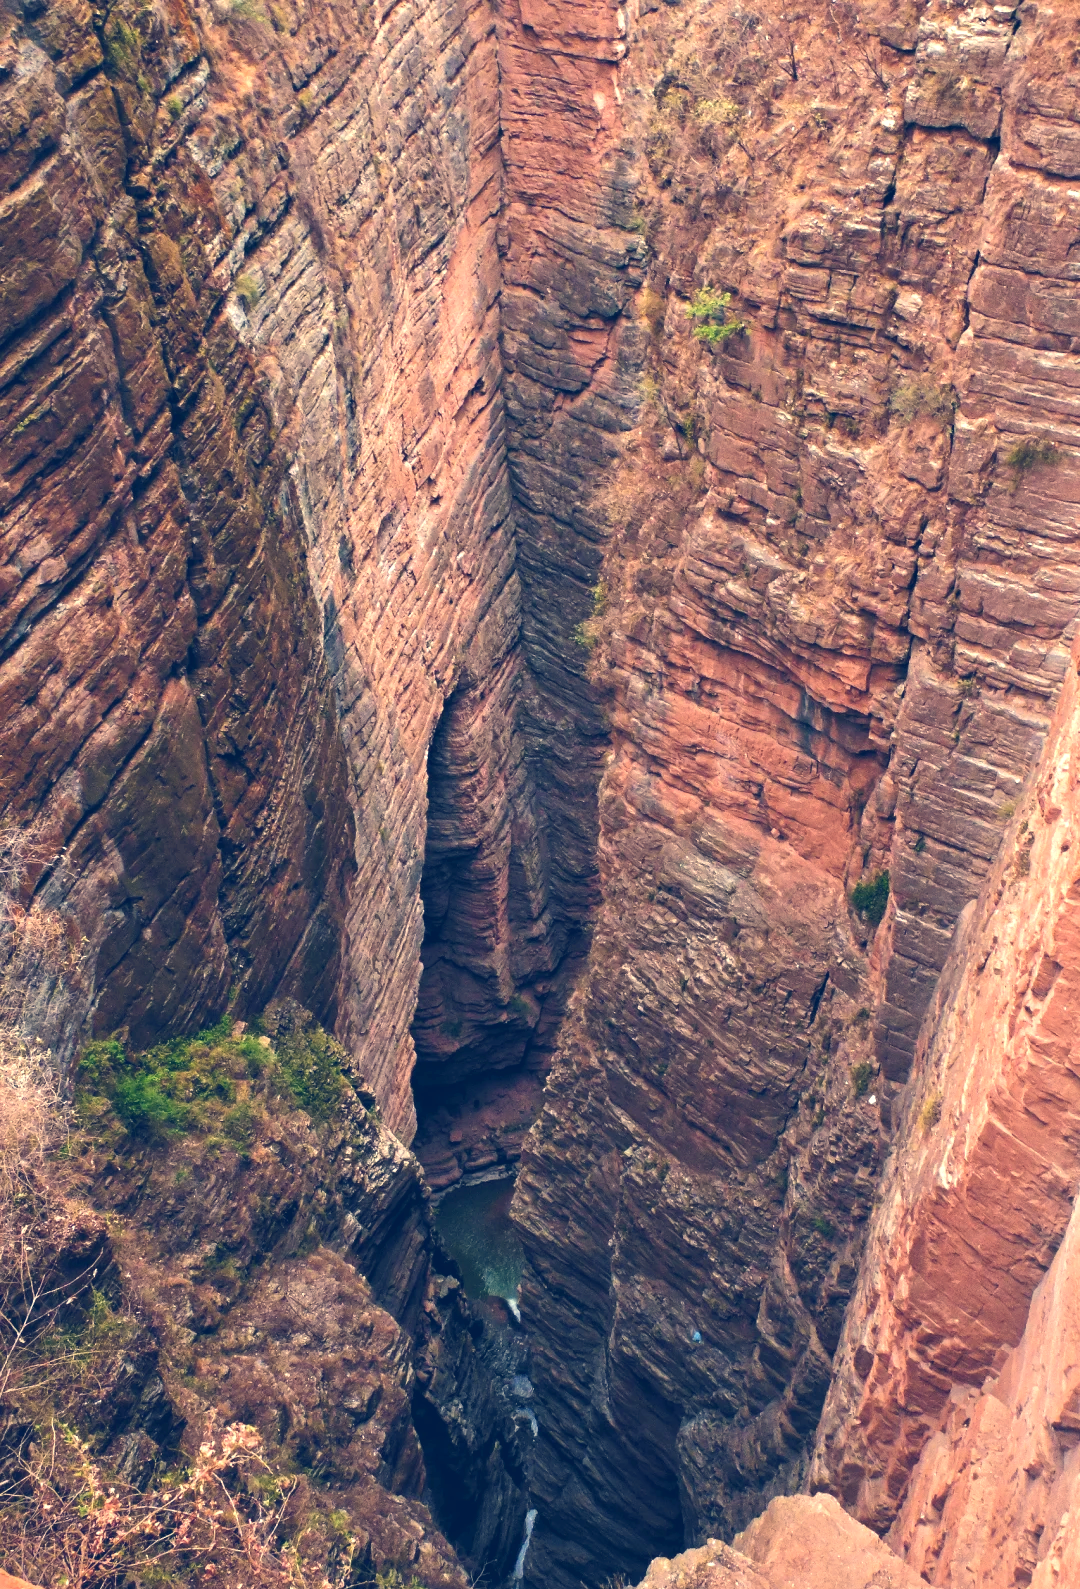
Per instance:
{"type": "Point", "coordinates": [870, 899]}
{"type": "Point", "coordinates": [930, 1113]}
{"type": "Point", "coordinates": [239, 1124]}
{"type": "Point", "coordinates": [822, 1225]}
{"type": "Point", "coordinates": [922, 398]}
{"type": "Point", "coordinates": [122, 47]}
{"type": "Point", "coordinates": [102, 1058]}
{"type": "Point", "coordinates": [862, 1075]}
{"type": "Point", "coordinates": [1027, 454]}
{"type": "Point", "coordinates": [190, 1083]}
{"type": "Point", "coordinates": [311, 1065]}
{"type": "Point", "coordinates": [175, 107]}
{"type": "Point", "coordinates": [708, 309]}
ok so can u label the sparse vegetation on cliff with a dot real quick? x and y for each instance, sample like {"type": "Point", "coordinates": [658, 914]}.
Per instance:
{"type": "Point", "coordinates": [213, 1081]}
{"type": "Point", "coordinates": [708, 309]}
{"type": "Point", "coordinates": [589, 632]}
{"type": "Point", "coordinates": [923, 398]}
{"type": "Point", "coordinates": [247, 290]}
{"type": "Point", "coordinates": [1028, 455]}
{"type": "Point", "coordinates": [116, 1465]}
{"type": "Point", "coordinates": [870, 898]}
{"type": "Point", "coordinates": [930, 1113]}
{"type": "Point", "coordinates": [862, 1075]}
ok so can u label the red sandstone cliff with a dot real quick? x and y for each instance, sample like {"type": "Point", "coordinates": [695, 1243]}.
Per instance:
{"type": "Point", "coordinates": [836, 608]}
{"type": "Point", "coordinates": [948, 1359]}
{"type": "Point", "coordinates": [367, 497]}
{"type": "Point", "coordinates": [257, 520]}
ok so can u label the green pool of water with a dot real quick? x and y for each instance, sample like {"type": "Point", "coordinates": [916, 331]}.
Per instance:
{"type": "Point", "coordinates": [474, 1226]}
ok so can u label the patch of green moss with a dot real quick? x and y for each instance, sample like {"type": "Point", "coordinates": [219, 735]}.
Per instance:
{"type": "Point", "coordinates": [247, 290]}
{"type": "Point", "coordinates": [122, 47]}
{"type": "Point", "coordinates": [312, 1065]}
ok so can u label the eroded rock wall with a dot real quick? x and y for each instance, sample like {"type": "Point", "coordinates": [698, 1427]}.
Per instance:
{"type": "Point", "coordinates": [570, 266]}
{"type": "Point", "coordinates": [946, 1356]}
{"type": "Point", "coordinates": [836, 610]}
{"type": "Point", "coordinates": [257, 513]}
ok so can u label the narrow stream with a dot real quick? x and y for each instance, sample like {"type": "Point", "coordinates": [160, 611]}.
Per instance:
{"type": "Point", "coordinates": [473, 1223]}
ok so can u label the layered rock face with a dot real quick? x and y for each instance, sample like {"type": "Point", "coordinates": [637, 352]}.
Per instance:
{"type": "Point", "coordinates": [570, 266]}
{"type": "Point", "coordinates": [383, 465]}
{"type": "Point", "coordinates": [946, 1352]}
{"type": "Point", "coordinates": [258, 519]}
{"type": "Point", "coordinates": [835, 613]}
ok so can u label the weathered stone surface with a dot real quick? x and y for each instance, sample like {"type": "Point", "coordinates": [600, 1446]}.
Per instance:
{"type": "Point", "coordinates": [713, 1565]}
{"type": "Point", "coordinates": [800, 1542]}
{"type": "Point", "coordinates": [976, 1201]}
{"type": "Point", "coordinates": [257, 517]}
{"type": "Point", "coordinates": [811, 1541]}
{"type": "Point", "coordinates": [994, 1495]}
{"type": "Point", "coordinates": [838, 600]}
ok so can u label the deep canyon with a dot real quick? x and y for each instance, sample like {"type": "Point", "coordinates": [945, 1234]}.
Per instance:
{"type": "Point", "coordinates": [540, 538]}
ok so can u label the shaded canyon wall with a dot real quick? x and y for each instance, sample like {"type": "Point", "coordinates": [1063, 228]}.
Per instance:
{"type": "Point", "coordinates": [257, 527]}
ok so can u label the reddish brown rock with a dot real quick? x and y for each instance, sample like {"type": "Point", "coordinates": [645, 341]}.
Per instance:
{"type": "Point", "coordinates": [800, 1542]}
{"type": "Point", "coordinates": [257, 520]}
{"type": "Point", "coordinates": [994, 1496]}
{"type": "Point", "coordinates": [974, 1207]}
{"type": "Point", "coordinates": [836, 609]}
{"type": "Point", "coordinates": [712, 1566]}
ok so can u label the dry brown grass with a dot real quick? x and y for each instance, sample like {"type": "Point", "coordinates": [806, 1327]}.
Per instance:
{"type": "Point", "coordinates": [224, 1519]}
{"type": "Point", "coordinates": [221, 1521]}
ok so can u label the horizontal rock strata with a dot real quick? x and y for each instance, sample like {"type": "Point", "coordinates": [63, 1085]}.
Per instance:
{"type": "Point", "coordinates": [975, 1205]}
{"type": "Point", "coordinates": [832, 619]}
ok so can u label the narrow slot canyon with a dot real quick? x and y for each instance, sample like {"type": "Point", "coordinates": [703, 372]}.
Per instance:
{"type": "Point", "coordinates": [541, 693]}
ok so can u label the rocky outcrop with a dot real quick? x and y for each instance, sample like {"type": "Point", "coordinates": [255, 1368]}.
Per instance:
{"type": "Point", "coordinates": [258, 1271]}
{"type": "Point", "coordinates": [803, 1540]}
{"type": "Point", "coordinates": [993, 1497]}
